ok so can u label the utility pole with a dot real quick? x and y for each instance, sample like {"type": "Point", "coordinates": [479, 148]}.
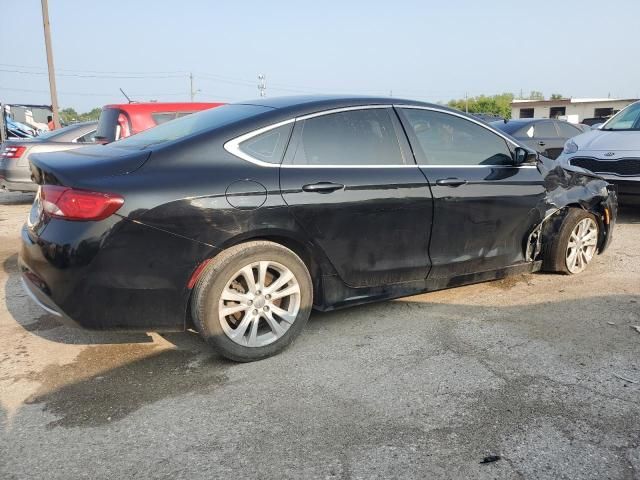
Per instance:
{"type": "Point", "coordinates": [262, 85]}
{"type": "Point", "coordinates": [191, 91]}
{"type": "Point", "coordinates": [52, 74]}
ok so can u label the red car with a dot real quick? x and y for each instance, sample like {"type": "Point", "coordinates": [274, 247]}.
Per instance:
{"type": "Point", "coordinates": [123, 120]}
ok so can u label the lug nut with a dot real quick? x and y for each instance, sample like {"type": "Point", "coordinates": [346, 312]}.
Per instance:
{"type": "Point", "coordinates": [255, 312]}
{"type": "Point", "coordinates": [266, 309]}
{"type": "Point", "coordinates": [250, 302]}
{"type": "Point", "coordinates": [267, 297]}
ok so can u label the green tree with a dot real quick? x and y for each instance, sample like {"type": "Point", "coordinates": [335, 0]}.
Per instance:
{"type": "Point", "coordinates": [68, 115]}
{"type": "Point", "coordinates": [536, 95]}
{"type": "Point", "coordinates": [92, 115]}
{"type": "Point", "coordinates": [493, 104]}
{"type": "Point", "coordinates": [556, 96]}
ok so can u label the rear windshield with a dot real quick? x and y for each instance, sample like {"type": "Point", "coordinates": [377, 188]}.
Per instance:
{"type": "Point", "coordinates": [190, 125]}
{"type": "Point", "coordinates": [509, 127]}
{"type": "Point", "coordinates": [107, 124]}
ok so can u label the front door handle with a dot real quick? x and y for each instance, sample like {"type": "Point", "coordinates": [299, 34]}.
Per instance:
{"type": "Point", "coordinates": [541, 143]}
{"type": "Point", "coordinates": [322, 187]}
{"type": "Point", "coordinates": [451, 182]}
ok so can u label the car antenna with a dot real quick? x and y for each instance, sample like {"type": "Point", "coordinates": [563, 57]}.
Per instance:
{"type": "Point", "coordinates": [126, 96]}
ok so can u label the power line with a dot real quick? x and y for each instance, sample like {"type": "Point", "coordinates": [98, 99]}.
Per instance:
{"type": "Point", "coordinates": [81, 75]}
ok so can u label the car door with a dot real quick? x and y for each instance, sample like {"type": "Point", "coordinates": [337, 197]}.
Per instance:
{"type": "Point", "coordinates": [484, 204]}
{"type": "Point", "coordinates": [350, 182]}
{"type": "Point", "coordinates": [566, 131]}
{"type": "Point", "coordinates": [546, 139]}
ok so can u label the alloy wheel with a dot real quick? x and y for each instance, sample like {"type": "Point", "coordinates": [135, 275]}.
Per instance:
{"type": "Point", "coordinates": [259, 303]}
{"type": "Point", "coordinates": [582, 245]}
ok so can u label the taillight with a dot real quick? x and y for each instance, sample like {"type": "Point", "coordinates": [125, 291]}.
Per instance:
{"type": "Point", "coordinates": [71, 204]}
{"type": "Point", "coordinates": [11, 151]}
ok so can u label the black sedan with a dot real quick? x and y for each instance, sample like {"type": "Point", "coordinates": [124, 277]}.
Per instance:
{"type": "Point", "coordinates": [545, 136]}
{"type": "Point", "coordinates": [239, 220]}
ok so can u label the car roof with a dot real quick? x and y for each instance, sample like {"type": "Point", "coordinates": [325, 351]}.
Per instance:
{"type": "Point", "coordinates": [151, 107]}
{"type": "Point", "coordinates": [297, 105]}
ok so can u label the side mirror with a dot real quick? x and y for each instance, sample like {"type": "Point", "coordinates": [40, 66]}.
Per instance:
{"type": "Point", "coordinates": [524, 156]}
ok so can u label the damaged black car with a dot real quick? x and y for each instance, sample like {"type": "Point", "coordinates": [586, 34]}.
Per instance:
{"type": "Point", "coordinates": [238, 221]}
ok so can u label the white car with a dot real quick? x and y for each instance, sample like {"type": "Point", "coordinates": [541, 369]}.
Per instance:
{"type": "Point", "coordinates": [612, 151]}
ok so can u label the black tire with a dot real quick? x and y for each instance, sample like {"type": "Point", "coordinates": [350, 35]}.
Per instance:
{"type": "Point", "coordinates": [214, 279]}
{"type": "Point", "coordinates": [555, 251]}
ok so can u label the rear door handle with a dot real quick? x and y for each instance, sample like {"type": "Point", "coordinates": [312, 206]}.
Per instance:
{"type": "Point", "coordinates": [451, 182]}
{"type": "Point", "coordinates": [541, 143]}
{"type": "Point", "coordinates": [322, 187]}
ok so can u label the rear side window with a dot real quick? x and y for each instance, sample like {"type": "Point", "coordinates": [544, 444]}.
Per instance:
{"type": "Point", "coordinates": [568, 131]}
{"type": "Point", "coordinates": [87, 137]}
{"type": "Point", "coordinates": [358, 137]}
{"type": "Point", "coordinates": [446, 139]}
{"type": "Point", "coordinates": [268, 146]}
{"type": "Point", "coordinates": [545, 130]}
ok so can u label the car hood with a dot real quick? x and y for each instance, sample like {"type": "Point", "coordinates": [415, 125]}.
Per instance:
{"type": "Point", "coordinates": [600, 140]}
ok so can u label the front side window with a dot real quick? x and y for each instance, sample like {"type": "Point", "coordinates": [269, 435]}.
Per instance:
{"type": "Point", "coordinates": [446, 139]}
{"type": "Point", "coordinates": [627, 119]}
{"type": "Point", "coordinates": [357, 137]}
{"type": "Point", "coordinates": [268, 146]}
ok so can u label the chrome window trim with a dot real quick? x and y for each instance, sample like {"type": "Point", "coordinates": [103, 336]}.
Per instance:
{"type": "Point", "coordinates": [233, 146]}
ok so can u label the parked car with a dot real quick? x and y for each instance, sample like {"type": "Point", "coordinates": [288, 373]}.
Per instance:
{"type": "Point", "coordinates": [15, 174]}
{"type": "Point", "coordinates": [612, 151]}
{"type": "Point", "coordinates": [546, 136]}
{"type": "Point", "coordinates": [122, 120]}
{"type": "Point", "coordinates": [238, 220]}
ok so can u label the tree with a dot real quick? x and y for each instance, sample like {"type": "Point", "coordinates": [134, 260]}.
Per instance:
{"type": "Point", "coordinates": [494, 104]}
{"type": "Point", "coordinates": [557, 96]}
{"type": "Point", "coordinates": [68, 115]}
{"type": "Point", "coordinates": [535, 95]}
{"type": "Point", "coordinates": [92, 115]}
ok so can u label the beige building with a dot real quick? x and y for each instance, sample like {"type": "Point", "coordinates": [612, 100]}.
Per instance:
{"type": "Point", "coordinates": [574, 110]}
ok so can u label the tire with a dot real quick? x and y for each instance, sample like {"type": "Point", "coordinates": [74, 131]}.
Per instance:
{"type": "Point", "coordinates": [244, 321]}
{"type": "Point", "coordinates": [557, 254]}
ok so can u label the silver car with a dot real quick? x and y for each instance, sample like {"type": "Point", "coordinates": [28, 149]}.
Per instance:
{"type": "Point", "coordinates": [612, 151]}
{"type": "Point", "coordinates": [15, 174]}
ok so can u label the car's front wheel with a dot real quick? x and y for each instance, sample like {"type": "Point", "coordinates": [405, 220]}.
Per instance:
{"type": "Point", "coordinates": [575, 245]}
{"type": "Point", "coordinates": [252, 300]}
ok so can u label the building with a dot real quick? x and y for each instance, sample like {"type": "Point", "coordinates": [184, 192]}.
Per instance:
{"type": "Point", "coordinates": [574, 110]}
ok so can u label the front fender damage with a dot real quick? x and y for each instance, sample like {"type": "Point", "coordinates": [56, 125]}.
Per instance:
{"type": "Point", "coordinates": [567, 189]}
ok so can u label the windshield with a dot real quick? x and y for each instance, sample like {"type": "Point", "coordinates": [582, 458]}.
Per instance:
{"type": "Point", "coordinates": [190, 125]}
{"type": "Point", "coordinates": [54, 133]}
{"type": "Point", "coordinates": [627, 119]}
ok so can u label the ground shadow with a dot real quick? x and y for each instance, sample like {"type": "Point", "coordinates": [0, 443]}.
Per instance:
{"type": "Point", "coordinates": [629, 214]}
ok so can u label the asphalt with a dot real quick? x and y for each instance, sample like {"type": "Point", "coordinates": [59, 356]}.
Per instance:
{"type": "Point", "coordinates": [540, 370]}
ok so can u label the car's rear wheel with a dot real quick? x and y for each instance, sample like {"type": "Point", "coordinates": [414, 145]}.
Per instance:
{"type": "Point", "coordinates": [252, 300]}
{"type": "Point", "coordinates": [575, 245]}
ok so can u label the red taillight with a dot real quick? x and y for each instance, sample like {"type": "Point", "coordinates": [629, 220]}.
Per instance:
{"type": "Point", "coordinates": [71, 204]}
{"type": "Point", "coordinates": [11, 151]}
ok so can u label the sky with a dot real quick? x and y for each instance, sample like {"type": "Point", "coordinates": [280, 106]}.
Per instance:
{"type": "Point", "coordinates": [425, 50]}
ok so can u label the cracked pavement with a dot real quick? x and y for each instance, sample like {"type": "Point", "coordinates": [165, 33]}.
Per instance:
{"type": "Point", "coordinates": [542, 370]}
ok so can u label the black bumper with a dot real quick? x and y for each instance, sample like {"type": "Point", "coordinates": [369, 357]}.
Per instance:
{"type": "Point", "coordinates": [116, 275]}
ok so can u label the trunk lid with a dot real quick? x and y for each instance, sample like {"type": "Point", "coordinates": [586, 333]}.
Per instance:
{"type": "Point", "coordinates": [71, 167]}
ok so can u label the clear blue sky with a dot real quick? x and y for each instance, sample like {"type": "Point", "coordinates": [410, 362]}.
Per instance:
{"type": "Point", "coordinates": [431, 50]}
